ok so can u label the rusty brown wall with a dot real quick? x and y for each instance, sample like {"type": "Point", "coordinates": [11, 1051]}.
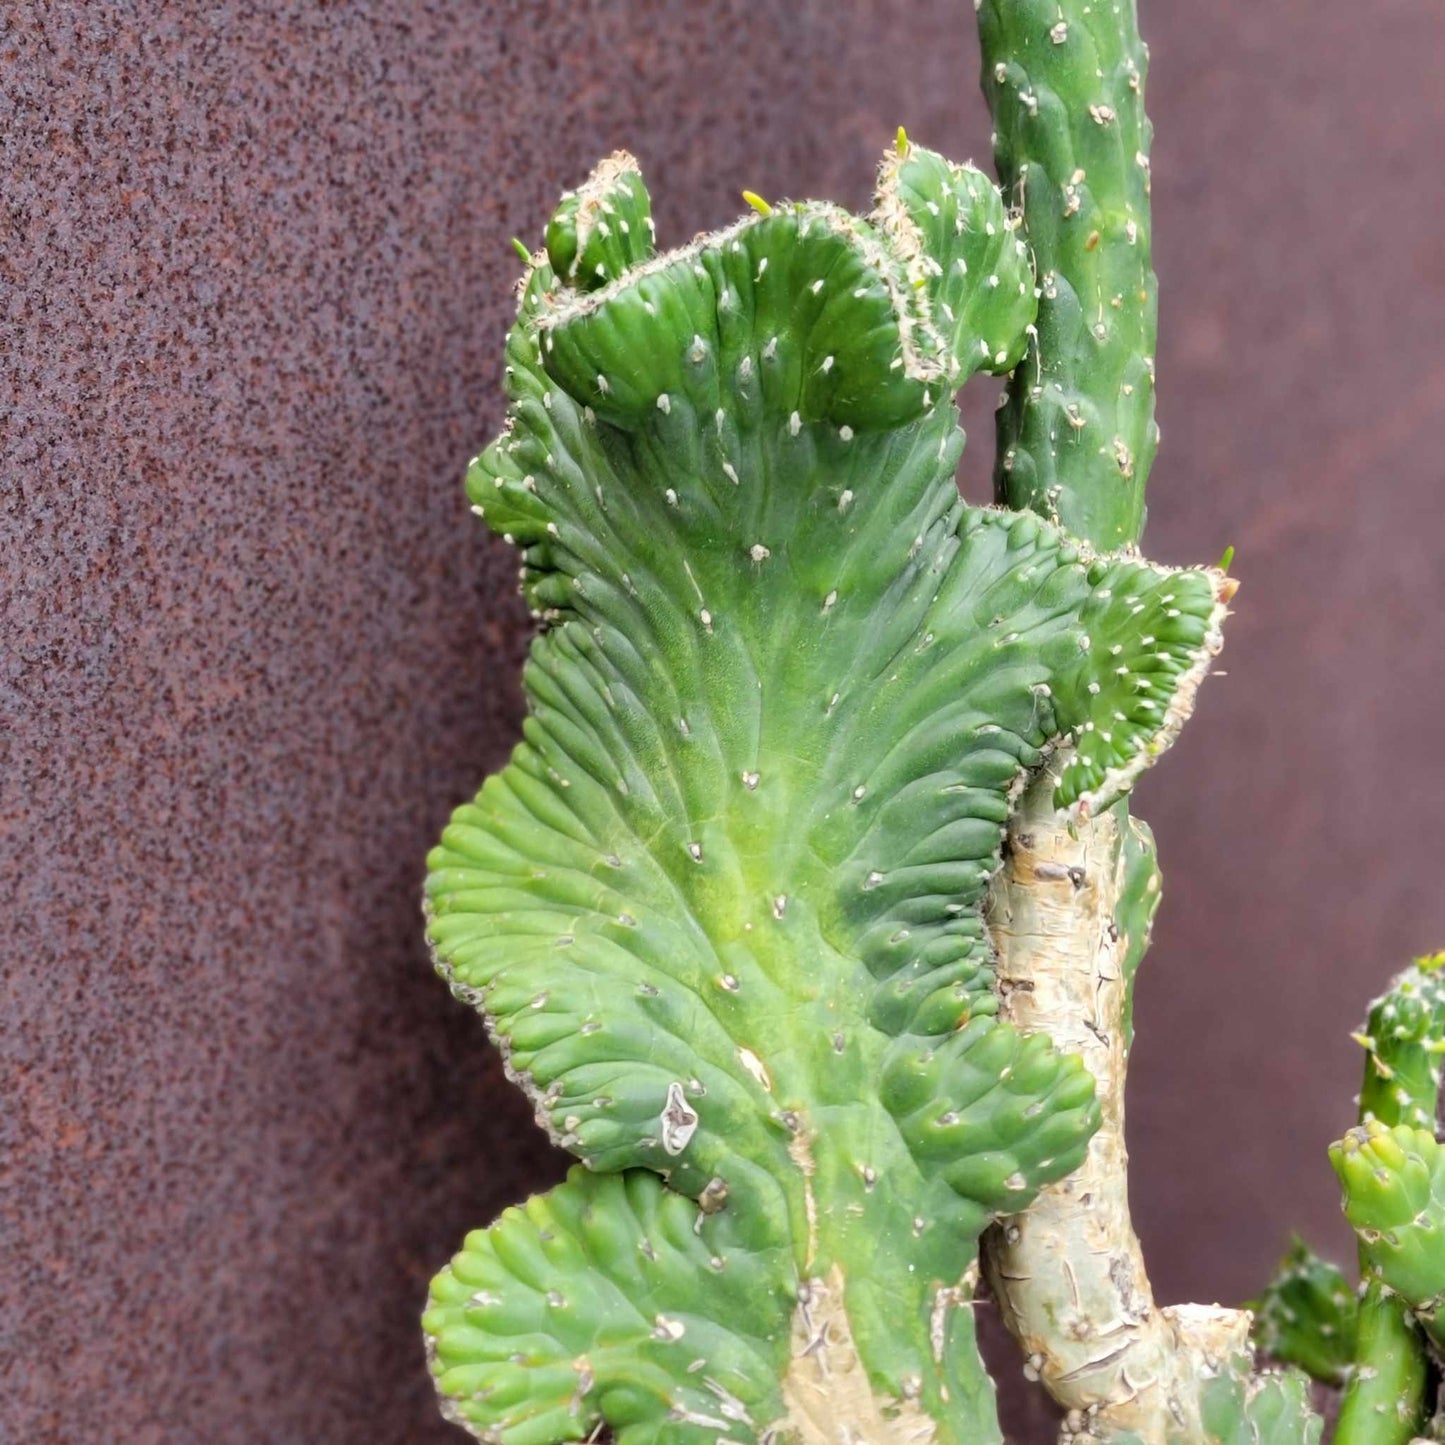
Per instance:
{"type": "Point", "coordinates": [254, 275]}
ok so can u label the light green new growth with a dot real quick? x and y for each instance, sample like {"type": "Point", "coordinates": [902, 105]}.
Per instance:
{"type": "Point", "coordinates": [1394, 1197]}
{"type": "Point", "coordinates": [1403, 1039]}
{"type": "Point", "coordinates": [816, 835]}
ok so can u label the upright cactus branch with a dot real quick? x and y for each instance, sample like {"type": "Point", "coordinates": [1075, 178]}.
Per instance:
{"type": "Point", "coordinates": [1076, 435]}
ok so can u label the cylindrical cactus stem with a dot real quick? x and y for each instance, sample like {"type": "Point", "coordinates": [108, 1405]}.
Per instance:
{"type": "Point", "coordinates": [1070, 919]}
{"type": "Point", "coordinates": [1404, 1041]}
{"type": "Point", "coordinates": [1384, 1400]}
{"type": "Point", "coordinates": [1076, 434]}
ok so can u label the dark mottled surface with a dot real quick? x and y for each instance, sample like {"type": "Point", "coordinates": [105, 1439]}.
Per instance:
{"type": "Point", "coordinates": [253, 282]}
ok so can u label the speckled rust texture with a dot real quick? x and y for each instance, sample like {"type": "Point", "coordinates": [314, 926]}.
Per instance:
{"type": "Point", "coordinates": [253, 283]}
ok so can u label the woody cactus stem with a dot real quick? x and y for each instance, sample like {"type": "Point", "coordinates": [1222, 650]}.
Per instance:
{"type": "Point", "coordinates": [1070, 912]}
{"type": "Point", "coordinates": [1070, 918]}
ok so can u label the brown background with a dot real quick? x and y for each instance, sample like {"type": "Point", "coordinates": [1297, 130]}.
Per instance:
{"type": "Point", "coordinates": [253, 284]}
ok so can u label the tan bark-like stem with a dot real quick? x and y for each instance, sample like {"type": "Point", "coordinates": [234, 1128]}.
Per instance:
{"type": "Point", "coordinates": [1069, 1272]}
{"type": "Point", "coordinates": [826, 1389]}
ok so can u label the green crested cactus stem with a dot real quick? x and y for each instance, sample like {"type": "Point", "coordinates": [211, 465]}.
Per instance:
{"type": "Point", "coordinates": [723, 910]}
{"type": "Point", "coordinates": [808, 911]}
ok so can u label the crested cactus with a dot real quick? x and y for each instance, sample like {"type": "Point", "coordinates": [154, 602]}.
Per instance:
{"type": "Point", "coordinates": [807, 911]}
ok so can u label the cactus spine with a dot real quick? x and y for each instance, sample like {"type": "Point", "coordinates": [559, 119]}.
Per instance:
{"type": "Point", "coordinates": [816, 832]}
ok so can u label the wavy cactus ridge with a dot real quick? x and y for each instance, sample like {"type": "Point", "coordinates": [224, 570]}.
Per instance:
{"type": "Point", "coordinates": [603, 228]}
{"type": "Point", "coordinates": [619, 1272]}
{"type": "Point", "coordinates": [723, 910]}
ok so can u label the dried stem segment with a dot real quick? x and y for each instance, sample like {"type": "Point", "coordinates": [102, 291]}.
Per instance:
{"type": "Point", "coordinates": [1069, 917]}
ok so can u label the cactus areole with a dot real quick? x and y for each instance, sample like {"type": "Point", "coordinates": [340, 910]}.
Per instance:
{"type": "Point", "coordinates": [807, 910]}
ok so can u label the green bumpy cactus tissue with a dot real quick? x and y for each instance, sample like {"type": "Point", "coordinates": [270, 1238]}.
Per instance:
{"type": "Point", "coordinates": [722, 911]}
